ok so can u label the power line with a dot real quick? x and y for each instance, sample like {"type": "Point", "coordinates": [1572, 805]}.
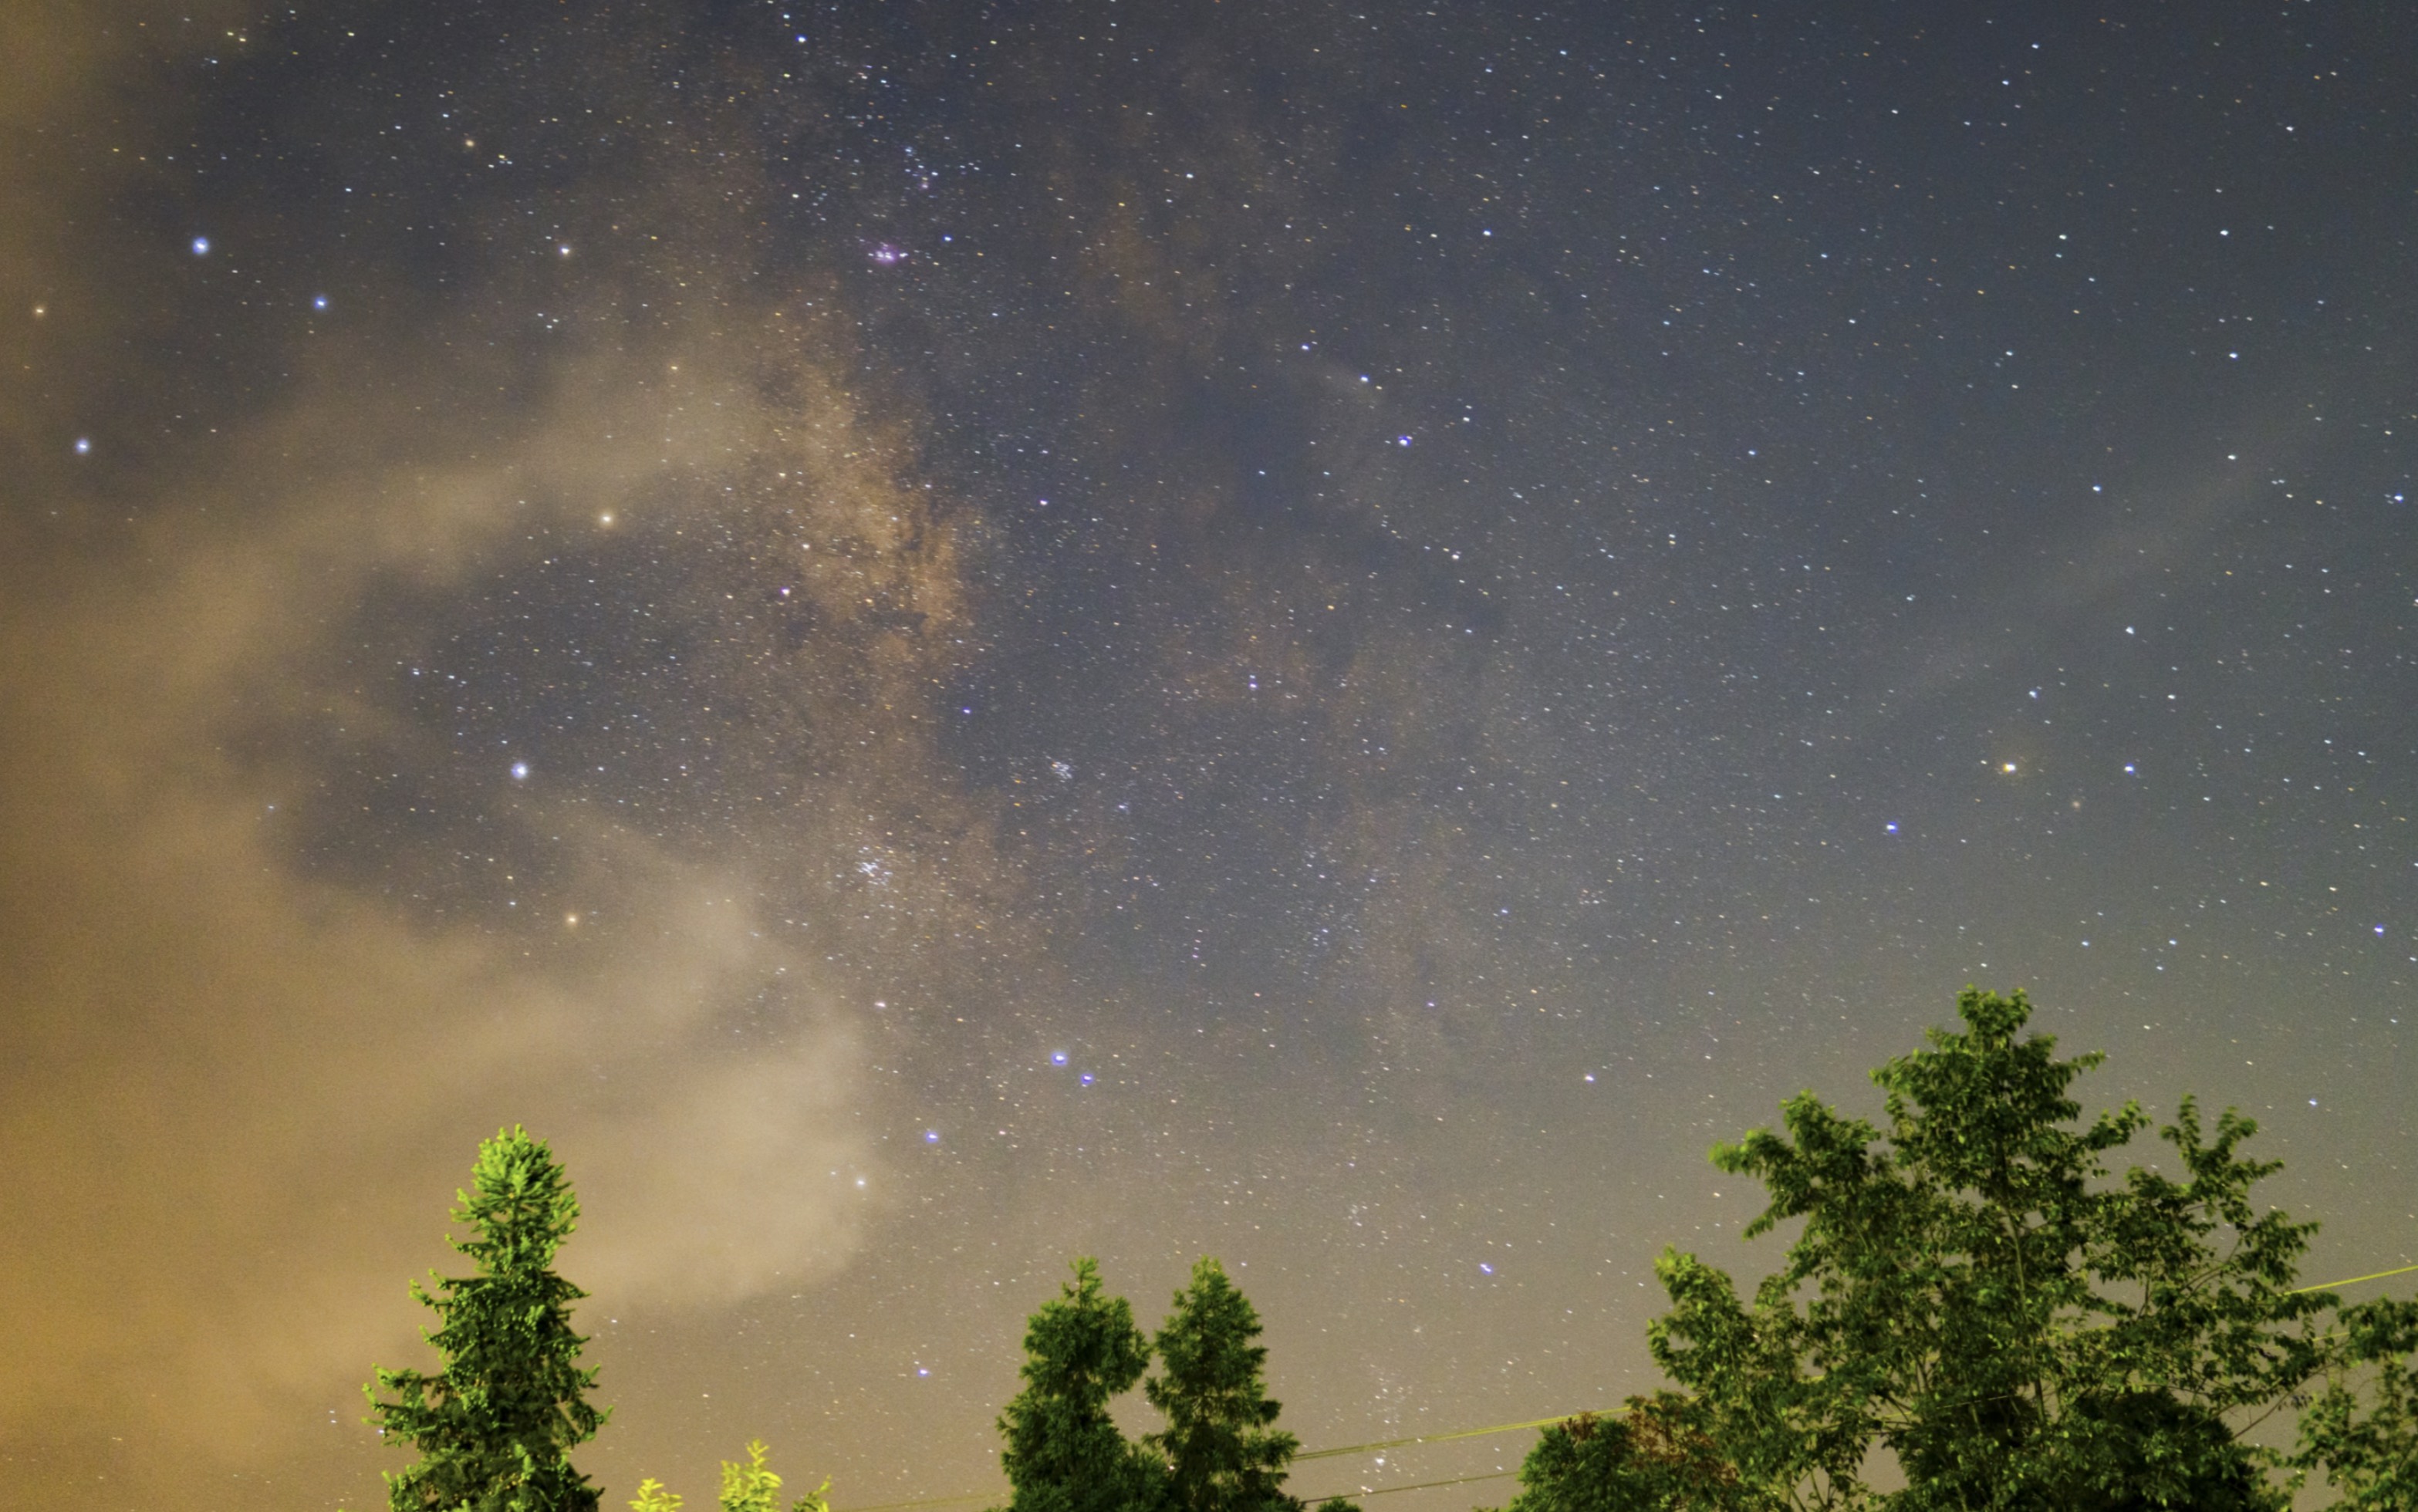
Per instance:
{"type": "Point", "coordinates": [2373, 1275]}
{"type": "Point", "coordinates": [1388, 1491]}
{"type": "Point", "coordinates": [1433, 1438]}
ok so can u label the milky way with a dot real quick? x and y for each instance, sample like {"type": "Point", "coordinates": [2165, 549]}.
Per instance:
{"type": "Point", "coordinates": [938, 636]}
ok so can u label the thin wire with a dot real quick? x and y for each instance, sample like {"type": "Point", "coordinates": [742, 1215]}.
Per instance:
{"type": "Point", "coordinates": [1388, 1491]}
{"type": "Point", "coordinates": [2329, 1286]}
{"type": "Point", "coordinates": [1433, 1438]}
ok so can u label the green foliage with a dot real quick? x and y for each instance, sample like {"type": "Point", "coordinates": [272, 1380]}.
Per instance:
{"type": "Point", "coordinates": [750, 1485]}
{"type": "Point", "coordinates": [1969, 1291]}
{"type": "Point", "coordinates": [2368, 1448]}
{"type": "Point", "coordinates": [1064, 1453]}
{"type": "Point", "coordinates": [747, 1486]}
{"type": "Point", "coordinates": [1221, 1453]}
{"type": "Point", "coordinates": [494, 1427]}
{"type": "Point", "coordinates": [2144, 1450]}
{"type": "Point", "coordinates": [1657, 1456]}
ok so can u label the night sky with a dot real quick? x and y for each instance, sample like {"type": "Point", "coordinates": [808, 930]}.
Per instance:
{"type": "Point", "coordinates": [936, 636]}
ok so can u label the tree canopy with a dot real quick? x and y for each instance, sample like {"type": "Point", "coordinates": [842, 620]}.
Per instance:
{"type": "Point", "coordinates": [2361, 1431]}
{"type": "Point", "coordinates": [1658, 1456]}
{"type": "Point", "coordinates": [1970, 1293]}
{"type": "Point", "coordinates": [1222, 1455]}
{"type": "Point", "coordinates": [748, 1485]}
{"type": "Point", "coordinates": [1064, 1453]}
{"type": "Point", "coordinates": [494, 1427]}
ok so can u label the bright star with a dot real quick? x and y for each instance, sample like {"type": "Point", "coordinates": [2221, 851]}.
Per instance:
{"type": "Point", "coordinates": [201, 246]}
{"type": "Point", "coordinates": [520, 771]}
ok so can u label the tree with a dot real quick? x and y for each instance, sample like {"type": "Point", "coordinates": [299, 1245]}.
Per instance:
{"type": "Point", "coordinates": [496, 1426]}
{"type": "Point", "coordinates": [1064, 1453]}
{"type": "Point", "coordinates": [1969, 1291]}
{"type": "Point", "coordinates": [747, 1486]}
{"type": "Point", "coordinates": [2368, 1450]}
{"type": "Point", "coordinates": [1221, 1455]}
{"type": "Point", "coordinates": [1659, 1456]}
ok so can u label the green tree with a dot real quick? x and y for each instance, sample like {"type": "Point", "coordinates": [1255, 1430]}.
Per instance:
{"type": "Point", "coordinates": [1969, 1291]}
{"type": "Point", "coordinates": [652, 1497]}
{"type": "Point", "coordinates": [1064, 1453]}
{"type": "Point", "coordinates": [1221, 1454]}
{"type": "Point", "coordinates": [2368, 1448]}
{"type": "Point", "coordinates": [496, 1426]}
{"type": "Point", "coordinates": [747, 1486]}
{"type": "Point", "coordinates": [1659, 1456]}
{"type": "Point", "coordinates": [751, 1487]}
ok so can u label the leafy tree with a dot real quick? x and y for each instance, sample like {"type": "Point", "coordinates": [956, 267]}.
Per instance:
{"type": "Point", "coordinates": [2369, 1451]}
{"type": "Point", "coordinates": [1970, 1293]}
{"type": "Point", "coordinates": [2151, 1450]}
{"type": "Point", "coordinates": [1221, 1454]}
{"type": "Point", "coordinates": [1064, 1453]}
{"type": "Point", "coordinates": [652, 1497]}
{"type": "Point", "coordinates": [748, 1486]}
{"type": "Point", "coordinates": [496, 1426]}
{"type": "Point", "coordinates": [1657, 1456]}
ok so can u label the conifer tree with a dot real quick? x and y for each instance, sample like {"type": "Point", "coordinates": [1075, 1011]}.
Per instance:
{"type": "Point", "coordinates": [496, 1425]}
{"type": "Point", "coordinates": [1064, 1453]}
{"type": "Point", "coordinates": [1221, 1454]}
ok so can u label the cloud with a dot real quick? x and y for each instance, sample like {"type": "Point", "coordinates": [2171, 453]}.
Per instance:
{"type": "Point", "coordinates": [241, 1094]}
{"type": "Point", "coordinates": [248, 1066]}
